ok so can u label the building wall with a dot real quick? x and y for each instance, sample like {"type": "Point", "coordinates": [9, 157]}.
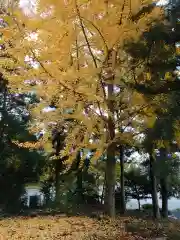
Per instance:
{"type": "Point", "coordinates": [34, 191]}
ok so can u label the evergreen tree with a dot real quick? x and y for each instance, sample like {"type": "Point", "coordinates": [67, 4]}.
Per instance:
{"type": "Point", "coordinates": [20, 162]}
{"type": "Point", "coordinates": [137, 185]}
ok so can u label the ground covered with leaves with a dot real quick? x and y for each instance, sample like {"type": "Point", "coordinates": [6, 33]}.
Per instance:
{"type": "Point", "coordinates": [84, 228]}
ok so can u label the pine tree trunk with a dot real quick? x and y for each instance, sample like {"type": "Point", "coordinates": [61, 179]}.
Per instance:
{"type": "Point", "coordinates": [122, 197]}
{"type": "Point", "coordinates": [164, 195]}
{"type": "Point", "coordinates": [156, 212]}
{"type": "Point", "coordinates": [110, 182]}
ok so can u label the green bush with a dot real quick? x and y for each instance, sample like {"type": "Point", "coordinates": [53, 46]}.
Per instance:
{"type": "Point", "coordinates": [147, 206]}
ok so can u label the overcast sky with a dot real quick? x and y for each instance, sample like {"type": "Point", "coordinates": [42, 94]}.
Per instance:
{"type": "Point", "coordinates": [29, 5]}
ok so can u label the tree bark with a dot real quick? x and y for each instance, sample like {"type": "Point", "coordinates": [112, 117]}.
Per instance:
{"type": "Point", "coordinates": [79, 180]}
{"type": "Point", "coordinates": [110, 182]}
{"type": "Point", "coordinates": [122, 196]}
{"type": "Point", "coordinates": [58, 165]}
{"type": "Point", "coordinates": [163, 184]}
{"type": "Point", "coordinates": [156, 212]}
{"type": "Point", "coordinates": [3, 110]}
{"type": "Point", "coordinates": [79, 188]}
{"type": "Point", "coordinates": [103, 190]}
{"type": "Point", "coordinates": [164, 195]}
{"type": "Point", "coordinates": [139, 204]}
{"type": "Point", "coordinates": [111, 161]}
{"type": "Point", "coordinates": [138, 197]}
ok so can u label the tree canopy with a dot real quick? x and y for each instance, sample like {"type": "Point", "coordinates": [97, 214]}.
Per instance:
{"type": "Point", "coordinates": [107, 71]}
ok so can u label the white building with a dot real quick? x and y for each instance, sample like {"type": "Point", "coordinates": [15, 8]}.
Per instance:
{"type": "Point", "coordinates": [34, 190]}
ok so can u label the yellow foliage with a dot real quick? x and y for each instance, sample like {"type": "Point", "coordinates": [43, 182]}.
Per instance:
{"type": "Point", "coordinates": [29, 145]}
{"type": "Point", "coordinates": [80, 48]}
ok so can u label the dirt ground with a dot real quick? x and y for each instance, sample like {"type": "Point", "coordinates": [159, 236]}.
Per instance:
{"type": "Point", "coordinates": [58, 227]}
{"type": "Point", "coordinates": [80, 228]}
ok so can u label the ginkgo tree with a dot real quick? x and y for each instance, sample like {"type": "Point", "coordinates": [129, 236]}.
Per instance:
{"type": "Point", "coordinates": [83, 65]}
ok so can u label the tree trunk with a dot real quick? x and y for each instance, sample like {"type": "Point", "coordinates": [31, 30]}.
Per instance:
{"type": "Point", "coordinates": [58, 165]}
{"type": "Point", "coordinates": [156, 212]}
{"type": "Point", "coordinates": [79, 179]}
{"type": "Point", "coordinates": [110, 182]}
{"type": "Point", "coordinates": [138, 198]}
{"type": "Point", "coordinates": [139, 204]}
{"type": "Point", "coordinates": [3, 112]}
{"type": "Point", "coordinates": [111, 161]}
{"type": "Point", "coordinates": [103, 190]}
{"type": "Point", "coordinates": [79, 189]}
{"type": "Point", "coordinates": [163, 183]}
{"type": "Point", "coordinates": [122, 196]}
{"type": "Point", "coordinates": [102, 195]}
{"type": "Point", "coordinates": [164, 195]}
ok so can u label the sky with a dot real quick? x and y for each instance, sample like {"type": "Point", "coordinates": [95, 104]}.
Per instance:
{"type": "Point", "coordinates": [29, 5]}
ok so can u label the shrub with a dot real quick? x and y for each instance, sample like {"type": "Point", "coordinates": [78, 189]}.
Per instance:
{"type": "Point", "coordinates": [147, 206]}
